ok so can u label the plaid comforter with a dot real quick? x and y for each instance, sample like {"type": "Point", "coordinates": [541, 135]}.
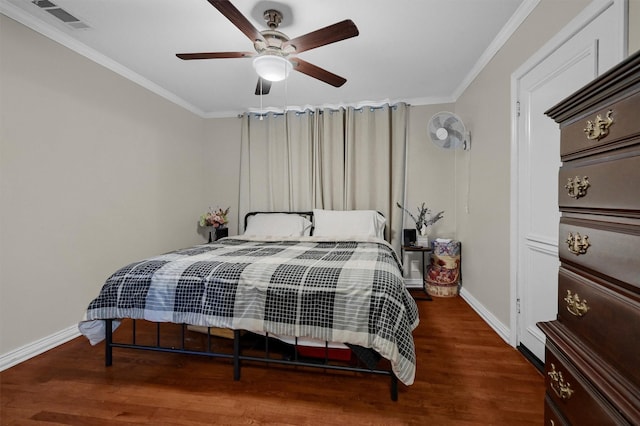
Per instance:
{"type": "Point", "coordinates": [340, 291]}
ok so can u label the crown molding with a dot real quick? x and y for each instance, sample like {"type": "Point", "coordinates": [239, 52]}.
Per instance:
{"type": "Point", "coordinates": [503, 36]}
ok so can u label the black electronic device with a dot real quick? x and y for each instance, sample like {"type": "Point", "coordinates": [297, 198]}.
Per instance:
{"type": "Point", "coordinates": [410, 236]}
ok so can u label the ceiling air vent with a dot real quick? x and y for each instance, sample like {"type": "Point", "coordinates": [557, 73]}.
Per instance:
{"type": "Point", "coordinates": [61, 14]}
{"type": "Point", "coordinates": [43, 3]}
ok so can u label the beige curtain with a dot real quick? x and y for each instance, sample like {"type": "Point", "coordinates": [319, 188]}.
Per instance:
{"type": "Point", "coordinates": [329, 172]}
{"type": "Point", "coordinates": [349, 158]}
{"type": "Point", "coordinates": [375, 149]}
{"type": "Point", "coordinates": [276, 162]}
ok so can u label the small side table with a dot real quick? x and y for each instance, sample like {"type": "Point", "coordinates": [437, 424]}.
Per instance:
{"type": "Point", "coordinates": [424, 251]}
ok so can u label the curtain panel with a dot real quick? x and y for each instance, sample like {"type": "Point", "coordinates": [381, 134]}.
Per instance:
{"type": "Point", "coordinates": [338, 159]}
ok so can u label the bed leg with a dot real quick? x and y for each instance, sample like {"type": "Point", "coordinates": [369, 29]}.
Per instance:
{"type": "Point", "coordinates": [236, 354]}
{"type": "Point", "coordinates": [108, 349]}
{"type": "Point", "coordinates": [394, 387]}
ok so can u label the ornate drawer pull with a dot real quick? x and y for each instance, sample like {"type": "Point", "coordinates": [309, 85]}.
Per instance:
{"type": "Point", "coordinates": [578, 244]}
{"type": "Point", "coordinates": [562, 389]}
{"type": "Point", "coordinates": [599, 128]}
{"type": "Point", "coordinates": [575, 306]}
{"type": "Point", "coordinates": [576, 187]}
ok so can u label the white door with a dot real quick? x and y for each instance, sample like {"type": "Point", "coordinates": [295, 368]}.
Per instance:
{"type": "Point", "coordinates": [577, 60]}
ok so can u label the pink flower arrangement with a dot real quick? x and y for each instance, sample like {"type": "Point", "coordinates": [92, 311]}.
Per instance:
{"type": "Point", "coordinates": [216, 218]}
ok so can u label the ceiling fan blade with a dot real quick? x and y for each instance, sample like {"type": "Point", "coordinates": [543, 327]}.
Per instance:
{"type": "Point", "coordinates": [263, 86]}
{"type": "Point", "coordinates": [317, 72]}
{"type": "Point", "coordinates": [327, 35]}
{"type": "Point", "coordinates": [214, 55]}
{"type": "Point", "coordinates": [238, 19]}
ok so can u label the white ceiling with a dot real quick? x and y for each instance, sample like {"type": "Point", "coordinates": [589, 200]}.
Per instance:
{"type": "Point", "coordinates": [419, 51]}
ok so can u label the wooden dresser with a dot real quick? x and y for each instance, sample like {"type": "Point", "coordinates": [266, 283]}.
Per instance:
{"type": "Point", "coordinates": [592, 365]}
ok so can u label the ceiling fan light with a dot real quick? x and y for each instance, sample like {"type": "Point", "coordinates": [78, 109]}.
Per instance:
{"type": "Point", "coordinates": [272, 67]}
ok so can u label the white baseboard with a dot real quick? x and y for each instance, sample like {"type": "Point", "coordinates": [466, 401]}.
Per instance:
{"type": "Point", "coordinates": [32, 349]}
{"type": "Point", "coordinates": [502, 330]}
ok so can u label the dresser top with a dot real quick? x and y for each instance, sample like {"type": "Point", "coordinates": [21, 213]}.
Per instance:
{"type": "Point", "coordinates": [620, 81]}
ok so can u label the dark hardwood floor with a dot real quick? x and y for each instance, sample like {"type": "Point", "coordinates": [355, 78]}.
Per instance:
{"type": "Point", "coordinates": [466, 375]}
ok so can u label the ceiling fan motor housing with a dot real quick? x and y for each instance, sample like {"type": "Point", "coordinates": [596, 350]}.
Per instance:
{"type": "Point", "coordinates": [273, 40]}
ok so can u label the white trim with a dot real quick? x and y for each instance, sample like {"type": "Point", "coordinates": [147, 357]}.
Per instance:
{"type": "Point", "coordinates": [536, 333]}
{"type": "Point", "coordinates": [514, 212]}
{"type": "Point", "coordinates": [503, 36]}
{"type": "Point", "coordinates": [541, 245]}
{"type": "Point", "coordinates": [501, 329]}
{"type": "Point", "coordinates": [590, 13]}
{"type": "Point", "coordinates": [60, 37]}
{"type": "Point", "coordinates": [432, 100]}
{"type": "Point", "coordinates": [33, 349]}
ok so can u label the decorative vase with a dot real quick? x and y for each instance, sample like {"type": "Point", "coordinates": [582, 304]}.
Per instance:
{"type": "Point", "coordinates": [423, 236]}
{"type": "Point", "coordinates": [422, 241]}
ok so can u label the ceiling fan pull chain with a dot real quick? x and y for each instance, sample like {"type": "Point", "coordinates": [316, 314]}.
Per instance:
{"type": "Point", "coordinates": [286, 93]}
{"type": "Point", "coordinates": [261, 112]}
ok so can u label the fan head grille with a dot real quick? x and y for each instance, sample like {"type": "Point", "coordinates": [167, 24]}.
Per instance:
{"type": "Point", "coordinates": [447, 130]}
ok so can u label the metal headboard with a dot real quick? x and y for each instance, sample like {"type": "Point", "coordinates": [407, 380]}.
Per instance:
{"type": "Point", "coordinates": [308, 214]}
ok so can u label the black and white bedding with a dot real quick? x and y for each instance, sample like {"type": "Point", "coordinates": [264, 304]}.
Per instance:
{"type": "Point", "coordinates": [348, 291]}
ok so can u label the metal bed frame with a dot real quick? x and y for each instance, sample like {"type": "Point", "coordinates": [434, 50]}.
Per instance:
{"type": "Point", "coordinates": [237, 356]}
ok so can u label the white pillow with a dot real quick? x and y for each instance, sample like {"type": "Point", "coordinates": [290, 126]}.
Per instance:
{"type": "Point", "coordinates": [358, 223]}
{"type": "Point", "coordinates": [278, 225]}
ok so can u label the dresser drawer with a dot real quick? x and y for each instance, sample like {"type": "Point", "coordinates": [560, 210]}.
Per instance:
{"type": "Point", "coordinates": [607, 185]}
{"type": "Point", "coordinates": [609, 248]}
{"type": "Point", "coordinates": [552, 416]}
{"type": "Point", "coordinates": [623, 118]}
{"type": "Point", "coordinates": [572, 394]}
{"type": "Point", "coordinates": [604, 320]}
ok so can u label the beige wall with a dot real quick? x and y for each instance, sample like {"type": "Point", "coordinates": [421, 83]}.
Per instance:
{"type": "Point", "coordinates": [431, 172]}
{"type": "Point", "coordinates": [485, 107]}
{"type": "Point", "coordinates": [95, 172]}
{"type": "Point", "coordinates": [223, 166]}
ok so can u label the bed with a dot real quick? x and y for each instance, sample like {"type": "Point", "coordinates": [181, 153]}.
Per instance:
{"type": "Point", "coordinates": [322, 276]}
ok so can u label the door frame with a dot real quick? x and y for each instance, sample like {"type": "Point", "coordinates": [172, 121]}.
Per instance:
{"type": "Point", "coordinates": [584, 18]}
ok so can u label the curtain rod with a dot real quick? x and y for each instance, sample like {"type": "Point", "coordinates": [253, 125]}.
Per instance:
{"type": "Point", "coordinates": [321, 110]}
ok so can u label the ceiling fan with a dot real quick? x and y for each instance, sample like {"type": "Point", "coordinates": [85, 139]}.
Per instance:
{"type": "Point", "coordinates": [274, 58]}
